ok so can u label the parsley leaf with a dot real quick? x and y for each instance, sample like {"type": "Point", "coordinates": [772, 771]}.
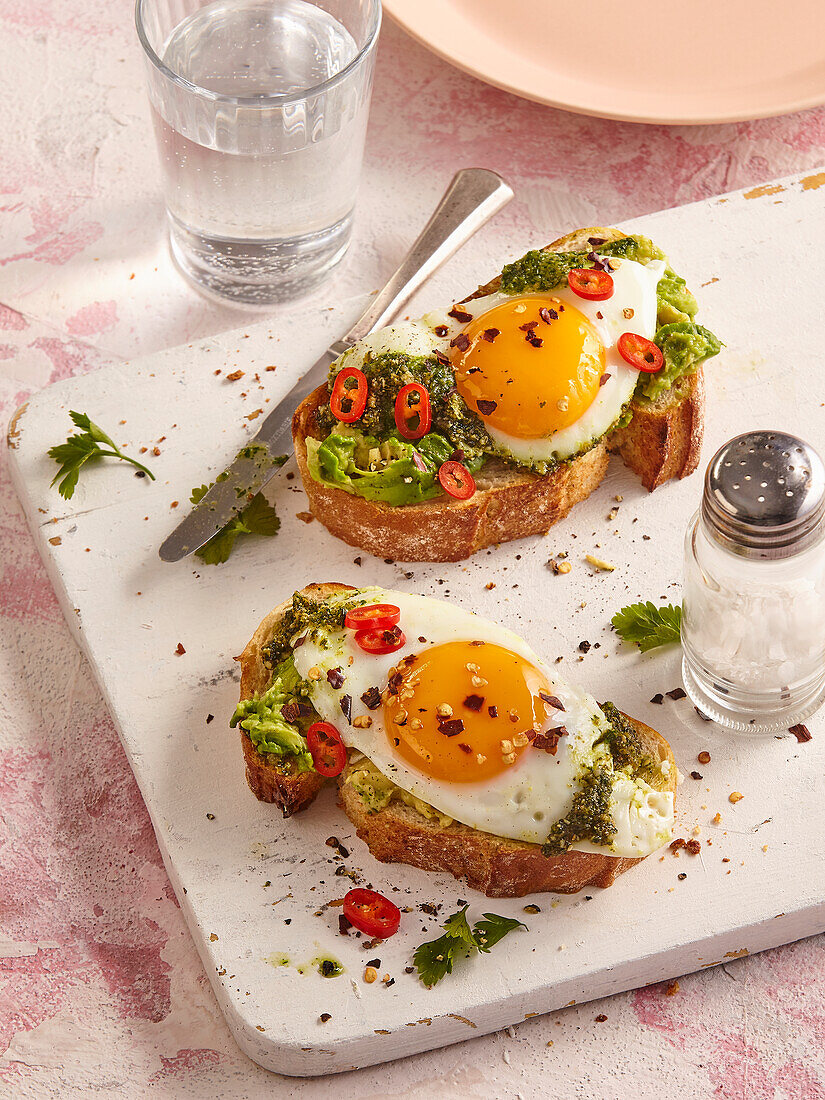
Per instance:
{"type": "Point", "coordinates": [257, 518]}
{"type": "Point", "coordinates": [647, 625]}
{"type": "Point", "coordinates": [87, 445]}
{"type": "Point", "coordinates": [458, 929]}
{"type": "Point", "coordinates": [435, 958]}
{"type": "Point", "coordinates": [493, 928]}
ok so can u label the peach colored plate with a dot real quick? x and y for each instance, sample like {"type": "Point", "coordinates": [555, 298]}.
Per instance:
{"type": "Point", "coordinates": [665, 61]}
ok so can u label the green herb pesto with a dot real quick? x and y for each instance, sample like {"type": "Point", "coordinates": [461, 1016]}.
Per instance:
{"type": "Point", "coordinates": [626, 746]}
{"type": "Point", "coordinates": [540, 271]}
{"type": "Point", "coordinates": [589, 817]}
{"type": "Point", "coordinates": [387, 374]}
{"type": "Point", "coordinates": [308, 615]}
{"type": "Point", "coordinates": [328, 968]}
{"type": "Point", "coordinates": [262, 718]}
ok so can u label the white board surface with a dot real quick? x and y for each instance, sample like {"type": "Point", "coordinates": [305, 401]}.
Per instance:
{"type": "Point", "coordinates": [255, 888]}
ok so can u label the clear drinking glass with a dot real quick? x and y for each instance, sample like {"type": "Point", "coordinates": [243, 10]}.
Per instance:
{"type": "Point", "coordinates": [260, 110]}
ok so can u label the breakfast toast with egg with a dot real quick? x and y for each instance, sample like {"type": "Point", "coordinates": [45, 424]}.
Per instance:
{"type": "Point", "coordinates": [662, 440]}
{"type": "Point", "coordinates": [401, 832]}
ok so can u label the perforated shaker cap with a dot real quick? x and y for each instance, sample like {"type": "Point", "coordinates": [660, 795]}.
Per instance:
{"type": "Point", "coordinates": [765, 495]}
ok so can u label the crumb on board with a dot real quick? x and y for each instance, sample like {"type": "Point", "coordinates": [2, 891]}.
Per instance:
{"type": "Point", "coordinates": [558, 567]}
{"type": "Point", "coordinates": [599, 563]}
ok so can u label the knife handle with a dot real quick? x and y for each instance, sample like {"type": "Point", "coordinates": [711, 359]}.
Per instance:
{"type": "Point", "coordinates": [473, 197]}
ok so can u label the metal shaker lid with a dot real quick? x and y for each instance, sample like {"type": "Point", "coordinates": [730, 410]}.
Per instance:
{"type": "Point", "coordinates": [765, 495]}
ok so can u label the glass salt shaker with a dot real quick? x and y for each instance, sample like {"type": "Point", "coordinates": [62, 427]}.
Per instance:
{"type": "Point", "coordinates": [753, 626]}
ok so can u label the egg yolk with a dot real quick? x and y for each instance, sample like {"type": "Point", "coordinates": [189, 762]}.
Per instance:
{"type": "Point", "coordinates": [530, 366]}
{"type": "Point", "coordinates": [461, 711]}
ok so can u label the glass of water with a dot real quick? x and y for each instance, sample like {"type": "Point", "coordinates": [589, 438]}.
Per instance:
{"type": "Point", "coordinates": [260, 110]}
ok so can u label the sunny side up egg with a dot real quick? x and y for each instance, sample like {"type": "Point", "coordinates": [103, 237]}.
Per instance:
{"type": "Point", "coordinates": [453, 734]}
{"type": "Point", "coordinates": [542, 371]}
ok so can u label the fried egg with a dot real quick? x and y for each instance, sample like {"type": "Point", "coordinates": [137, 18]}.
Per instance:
{"type": "Point", "coordinates": [475, 724]}
{"type": "Point", "coordinates": [542, 371]}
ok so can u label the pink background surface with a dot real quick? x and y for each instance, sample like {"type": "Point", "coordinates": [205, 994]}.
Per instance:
{"type": "Point", "coordinates": [100, 986]}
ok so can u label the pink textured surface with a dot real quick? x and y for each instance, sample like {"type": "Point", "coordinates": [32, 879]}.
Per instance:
{"type": "Point", "coordinates": [100, 986]}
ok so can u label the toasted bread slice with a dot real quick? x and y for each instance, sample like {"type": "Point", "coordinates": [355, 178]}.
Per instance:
{"type": "Point", "coordinates": [269, 778]}
{"type": "Point", "coordinates": [497, 867]}
{"type": "Point", "coordinates": [662, 441]}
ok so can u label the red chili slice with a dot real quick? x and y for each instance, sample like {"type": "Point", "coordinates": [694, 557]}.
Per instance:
{"type": "Point", "coordinates": [326, 748]}
{"type": "Point", "coordinates": [372, 913]}
{"type": "Point", "coordinates": [591, 283]}
{"type": "Point", "coordinates": [381, 641]}
{"type": "Point", "coordinates": [413, 417]}
{"type": "Point", "coordinates": [640, 353]}
{"type": "Point", "coordinates": [348, 402]}
{"type": "Point", "coordinates": [456, 480]}
{"type": "Point", "coordinates": [378, 616]}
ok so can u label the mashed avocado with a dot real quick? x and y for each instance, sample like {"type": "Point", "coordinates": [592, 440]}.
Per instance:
{"type": "Point", "coordinates": [393, 470]}
{"type": "Point", "coordinates": [377, 791]}
{"type": "Point", "coordinates": [262, 718]}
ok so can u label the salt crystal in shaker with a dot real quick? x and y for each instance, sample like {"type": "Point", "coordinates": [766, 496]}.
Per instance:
{"type": "Point", "coordinates": [753, 627]}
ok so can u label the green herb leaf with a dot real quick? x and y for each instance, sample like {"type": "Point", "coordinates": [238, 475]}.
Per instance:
{"type": "Point", "coordinates": [493, 928]}
{"type": "Point", "coordinates": [435, 958]}
{"type": "Point", "coordinates": [197, 495]}
{"type": "Point", "coordinates": [649, 626]}
{"type": "Point", "coordinates": [220, 546]}
{"type": "Point", "coordinates": [457, 928]}
{"type": "Point", "coordinates": [257, 518]}
{"type": "Point", "coordinates": [82, 421]}
{"type": "Point", "coordinates": [72, 455]}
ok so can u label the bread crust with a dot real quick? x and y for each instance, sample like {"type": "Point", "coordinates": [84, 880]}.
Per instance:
{"type": "Point", "coordinates": [290, 790]}
{"type": "Point", "coordinates": [497, 867]}
{"type": "Point", "coordinates": [662, 441]}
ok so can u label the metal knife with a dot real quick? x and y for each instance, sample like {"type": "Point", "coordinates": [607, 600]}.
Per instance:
{"type": "Point", "coordinates": [473, 197]}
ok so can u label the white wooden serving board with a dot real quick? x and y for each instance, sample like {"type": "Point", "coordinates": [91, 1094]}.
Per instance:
{"type": "Point", "coordinates": [254, 887]}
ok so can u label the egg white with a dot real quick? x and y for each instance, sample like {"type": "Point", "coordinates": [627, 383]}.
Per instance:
{"type": "Point", "coordinates": [526, 799]}
{"type": "Point", "coordinates": [632, 308]}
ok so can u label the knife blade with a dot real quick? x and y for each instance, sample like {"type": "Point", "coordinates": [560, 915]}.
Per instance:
{"type": "Point", "coordinates": [473, 197]}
